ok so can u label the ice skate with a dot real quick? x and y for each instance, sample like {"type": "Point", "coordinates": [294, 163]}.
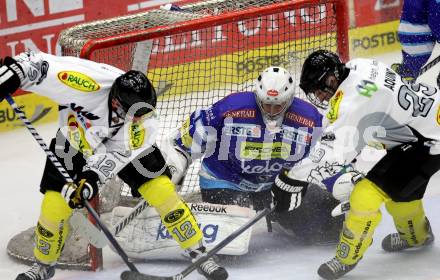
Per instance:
{"type": "Point", "coordinates": [334, 269]}
{"type": "Point", "coordinates": [210, 269]}
{"type": "Point", "coordinates": [394, 243]}
{"type": "Point", "coordinates": [38, 271]}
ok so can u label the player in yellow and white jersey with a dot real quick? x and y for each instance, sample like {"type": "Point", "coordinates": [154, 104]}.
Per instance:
{"type": "Point", "coordinates": [107, 127]}
{"type": "Point", "coordinates": [367, 103]}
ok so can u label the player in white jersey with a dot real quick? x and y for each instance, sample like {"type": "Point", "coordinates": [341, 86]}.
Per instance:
{"type": "Point", "coordinates": [369, 104]}
{"type": "Point", "coordinates": [107, 127]}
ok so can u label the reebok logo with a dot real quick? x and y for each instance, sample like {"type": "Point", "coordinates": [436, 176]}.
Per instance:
{"type": "Point", "coordinates": [208, 208]}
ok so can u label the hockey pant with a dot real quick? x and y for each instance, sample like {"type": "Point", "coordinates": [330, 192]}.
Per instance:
{"type": "Point", "coordinates": [52, 228]}
{"type": "Point", "coordinates": [364, 216]}
{"type": "Point", "coordinates": [174, 213]}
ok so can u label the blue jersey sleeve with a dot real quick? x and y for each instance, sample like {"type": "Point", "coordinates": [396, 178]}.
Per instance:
{"type": "Point", "coordinates": [197, 132]}
{"type": "Point", "coordinates": [419, 29]}
{"type": "Point", "coordinates": [200, 130]}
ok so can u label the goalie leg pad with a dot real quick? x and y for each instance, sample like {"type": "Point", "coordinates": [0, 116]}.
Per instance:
{"type": "Point", "coordinates": [174, 213]}
{"type": "Point", "coordinates": [361, 221]}
{"type": "Point", "coordinates": [52, 228]}
{"type": "Point", "coordinates": [409, 219]}
{"type": "Point", "coordinates": [147, 238]}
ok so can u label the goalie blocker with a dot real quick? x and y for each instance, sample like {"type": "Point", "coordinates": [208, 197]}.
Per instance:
{"type": "Point", "coordinates": [147, 238]}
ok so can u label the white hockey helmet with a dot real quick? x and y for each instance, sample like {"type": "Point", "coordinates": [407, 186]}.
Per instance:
{"type": "Point", "coordinates": [274, 92]}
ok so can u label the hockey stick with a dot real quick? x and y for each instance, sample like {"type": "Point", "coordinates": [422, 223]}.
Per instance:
{"type": "Point", "coordinates": [68, 179]}
{"type": "Point", "coordinates": [428, 66]}
{"type": "Point", "coordinates": [130, 275]}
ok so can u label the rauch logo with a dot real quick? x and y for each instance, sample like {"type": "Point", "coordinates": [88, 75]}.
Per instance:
{"type": "Point", "coordinates": [78, 81]}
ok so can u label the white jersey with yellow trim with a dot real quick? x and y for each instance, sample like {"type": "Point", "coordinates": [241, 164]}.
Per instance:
{"type": "Point", "coordinates": [81, 88]}
{"type": "Point", "coordinates": [374, 107]}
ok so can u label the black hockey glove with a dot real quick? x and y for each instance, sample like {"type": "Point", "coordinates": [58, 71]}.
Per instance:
{"type": "Point", "coordinates": [287, 192]}
{"type": "Point", "coordinates": [11, 76]}
{"type": "Point", "coordinates": [85, 189]}
{"type": "Point", "coordinates": [406, 74]}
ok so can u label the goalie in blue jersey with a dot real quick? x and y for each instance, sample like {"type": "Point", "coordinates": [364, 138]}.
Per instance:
{"type": "Point", "coordinates": [245, 140]}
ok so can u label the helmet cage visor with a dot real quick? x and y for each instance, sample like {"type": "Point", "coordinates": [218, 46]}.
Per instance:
{"type": "Point", "coordinates": [318, 92]}
{"type": "Point", "coordinates": [273, 110]}
{"type": "Point", "coordinates": [118, 108]}
{"type": "Point", "coordinates": [315, 100]}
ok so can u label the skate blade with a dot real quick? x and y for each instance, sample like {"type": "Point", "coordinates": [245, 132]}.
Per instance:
{"type": "Point", "coordinates": [132, 275]}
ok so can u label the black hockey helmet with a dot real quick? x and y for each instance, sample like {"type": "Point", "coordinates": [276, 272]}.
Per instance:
{"type": "Point", "coordinates": [316, 68]}
{"type": "Point", "coordinates": [131, 88]}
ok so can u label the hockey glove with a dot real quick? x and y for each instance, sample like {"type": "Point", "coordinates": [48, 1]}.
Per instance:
{"type": "Point", "coordinates": [405, 73]}
{"type": "Point", "coordinates": [11, 76]}
{"type": "Point", "coordinates": [85, 189]}
{"type": "Point", "coordinates": [287, 192]}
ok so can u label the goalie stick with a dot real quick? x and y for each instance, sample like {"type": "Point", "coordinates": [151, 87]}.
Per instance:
{"type": "Point", "coordinates": [68, 179]}
{"type": "Point", "coordinates": [131, 275]}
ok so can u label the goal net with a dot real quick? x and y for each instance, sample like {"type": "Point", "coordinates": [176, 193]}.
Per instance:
{"type": "Point", "coordinates": [199, 52]}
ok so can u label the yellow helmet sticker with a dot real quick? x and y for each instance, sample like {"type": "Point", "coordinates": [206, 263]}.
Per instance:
{"type": "Point", "coordinates": [438, 115]}
{"type": "Point", "coordinates": [137, 135]}
{"type": "Point", "coordinates": [335, 101]}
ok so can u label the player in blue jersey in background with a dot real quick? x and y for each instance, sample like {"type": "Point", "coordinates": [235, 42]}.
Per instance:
{"type": "Point", "coordinates": [245, 140]}
{"type": "Point", "coordinates": [419, 30]}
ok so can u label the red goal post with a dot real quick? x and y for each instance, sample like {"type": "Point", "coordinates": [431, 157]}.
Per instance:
{"type": "Point", "coordinates": [211, 20]}
{"type": "Point", "coordinates": [204, 50]}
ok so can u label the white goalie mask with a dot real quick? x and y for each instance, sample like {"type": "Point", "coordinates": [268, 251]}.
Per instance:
{"type": "Point", "coordinates": [274, 92]}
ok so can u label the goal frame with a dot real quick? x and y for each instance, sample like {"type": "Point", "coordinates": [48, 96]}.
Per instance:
{"type": "Point", "coordinates": [342, 22]}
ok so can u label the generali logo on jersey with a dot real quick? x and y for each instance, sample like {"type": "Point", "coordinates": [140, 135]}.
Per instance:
{"type": "Point", "coordinates": [78, 81]}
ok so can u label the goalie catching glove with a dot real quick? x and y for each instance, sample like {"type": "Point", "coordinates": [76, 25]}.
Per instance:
{"type": "Point", "coordinates": [287, 193]}
{"type": "Point", "coordinates": [11, 76]}
{"type": "Point", "coordinates": [85, 189]}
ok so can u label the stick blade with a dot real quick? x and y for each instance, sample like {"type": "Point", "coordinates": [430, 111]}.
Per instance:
{"type": "Point", "coordinates": [87, 230]}
{"type": "Point", "coordinates": [132, 275]}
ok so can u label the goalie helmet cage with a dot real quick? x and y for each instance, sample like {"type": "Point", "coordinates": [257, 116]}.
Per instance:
{"type": "Point", "coordinates": [198, 53]}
